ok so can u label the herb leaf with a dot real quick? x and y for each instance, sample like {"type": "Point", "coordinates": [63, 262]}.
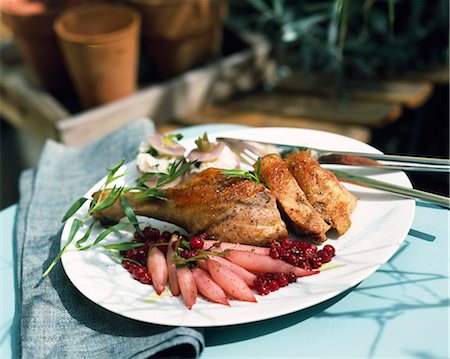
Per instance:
{"type": "Point", "coordinates": [130, 214]}
{"type": "Point", "coordinates": [175, 170]}
{"type": "Point", "coordinates": [75, 207]}
{"type": "Point", "coordinates": [249, 175]}
{"type": "Point", "coordinates": [145, 178]}
{"type": "Point", "coordinates": [112, 197]}
{"type": "Point", "coordinates": [106, 232]}
{"type": "Point", "coordinates": [122, 246]}
{"type": "Point", "coordinates": [76, 225]}
{"type": "Point", "coordinates": [112, 172]}
{"type": "Point", "coordinates": [86, 236]}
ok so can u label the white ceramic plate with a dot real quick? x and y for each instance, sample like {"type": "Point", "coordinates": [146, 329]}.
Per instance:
{"type": "Point", "coordinates": [380, 223]}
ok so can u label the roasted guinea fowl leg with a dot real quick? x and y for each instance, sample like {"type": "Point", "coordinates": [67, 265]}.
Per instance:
{"type": "Point", "coordinates": [306, 220]}
{"type": "Point", "coordinates": [230, 209]}
{"type": "Point", "coordinates": [323, 190]}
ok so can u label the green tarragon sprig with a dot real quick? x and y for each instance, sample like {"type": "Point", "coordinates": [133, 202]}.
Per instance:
{"type": "Point", "coordinates": [175, 170]}
{"type": "Point", "coordinates": [250, 175]}
{"type": "Point", "coordinates": [101, 201]}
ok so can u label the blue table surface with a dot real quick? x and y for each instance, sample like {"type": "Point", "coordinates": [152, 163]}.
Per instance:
{"type": "Point", "coordinates": [401, 311]}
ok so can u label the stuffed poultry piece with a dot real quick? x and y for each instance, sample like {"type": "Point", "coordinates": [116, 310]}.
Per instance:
{"type": "Point", "coordinates": [323, 190]}
{"type": "Point", "coordinates": [282, 184]}
{"type": "Point", "coordinates": [230, 209]}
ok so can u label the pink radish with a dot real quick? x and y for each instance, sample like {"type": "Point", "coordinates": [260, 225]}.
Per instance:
{"type": "Point", "coordinates": [157, 267]}
{"type": "Point", "coordinates": [187, 285]}
{"type": "Point", "coordinates": [210, 289]}
{"type": "Point", "coordinates": [265, 264]}
{"type": "Point", "coordinates": [230, 282]}
{"type": "Point", "coordinates": [172, 269]}
{"type": "Point", "coordinates": [244, 274]}
{"type": "Point", "coordinates": [216, 246]}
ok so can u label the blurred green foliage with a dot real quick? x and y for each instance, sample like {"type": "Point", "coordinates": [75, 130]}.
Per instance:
{"type": "Point", "coordinates": [350, 38]}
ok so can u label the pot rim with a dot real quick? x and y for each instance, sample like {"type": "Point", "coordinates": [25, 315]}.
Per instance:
{"type": "Point", "coordinates": [76, 37]}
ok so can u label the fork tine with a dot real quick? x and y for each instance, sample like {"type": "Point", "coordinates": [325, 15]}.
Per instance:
{"type": "Point", "coordinates": [251, 154]}
{"type": "Point", "coordinates": [245, 154]}
{"type": "Point", "coordinates": [246, 159]}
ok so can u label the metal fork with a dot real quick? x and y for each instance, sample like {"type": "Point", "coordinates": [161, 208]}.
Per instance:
{"type": "Point", "coordinates": [249, 156]}
{"type": "Point", "coordinates": [379, 160]}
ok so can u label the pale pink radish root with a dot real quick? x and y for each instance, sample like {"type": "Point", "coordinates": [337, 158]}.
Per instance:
{"type": "Point", "coordinates": [230, 282]}
{"type": "Point", "coordinates": [172, 269]}
{"type": "Point", "coordinates": [265, 264]}
{"type": "Point", "coordinates": [244, 274]}
{"type": "Point", "coordinates": [221, 246]}
{"type": "Point", "coordinates": [210, 289]}
{"type": "Point", "coordinates": [157, 267]}
{"type": "Point", "coordinates": [187, 285]}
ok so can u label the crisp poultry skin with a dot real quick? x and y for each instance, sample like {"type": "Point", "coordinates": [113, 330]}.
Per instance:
{"type": "Point", "coordinates": [275, 174]}
{"type": "Point", "coordinates": [323, 190]}
{"type": "Point", "coordinates": [230, 209]}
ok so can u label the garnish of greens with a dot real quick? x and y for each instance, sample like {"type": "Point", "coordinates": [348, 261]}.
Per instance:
{"type": "Point", "coordinates": [249, 175]}
{"type": "Point", "coordinates": [203, 144]}
{"type": "Point", "coordinates": [203, 254]}
{"type": "Point", "coordinates": [106, 197]}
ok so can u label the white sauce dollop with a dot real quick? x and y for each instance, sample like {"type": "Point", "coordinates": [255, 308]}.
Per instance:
{"type": "Point", "coordinates": [147, 163]}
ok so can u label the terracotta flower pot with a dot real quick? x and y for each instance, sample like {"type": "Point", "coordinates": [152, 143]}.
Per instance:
{"type": "Point", "coordinates": [180, 34]}
{"type": "Point", "coordinates": [100, 44]}
{"type": "Point", "coordinates": [32, 25]}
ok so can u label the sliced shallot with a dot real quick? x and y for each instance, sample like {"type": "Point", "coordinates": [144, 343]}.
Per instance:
{"type": "Point", "coordinates": [209, 156]}
{"type": "Point", "coordinates": [165, 145]}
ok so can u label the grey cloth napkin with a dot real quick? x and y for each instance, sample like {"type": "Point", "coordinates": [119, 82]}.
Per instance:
{"type": "Point", "coordinates": [56, 320]}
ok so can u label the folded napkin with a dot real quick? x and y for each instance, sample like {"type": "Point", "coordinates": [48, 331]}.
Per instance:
{"type": "Point", "coordinates": [56, 320]}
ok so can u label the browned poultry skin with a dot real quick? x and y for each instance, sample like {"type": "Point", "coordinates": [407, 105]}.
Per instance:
{"type": "Point", "coordinates": [323, 190]}
{"type": "Point", "coordinates": [275, 173]}
{"type": "Point", "coordinates": [230, 209]}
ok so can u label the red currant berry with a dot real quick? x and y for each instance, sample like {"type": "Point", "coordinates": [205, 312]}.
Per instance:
{"type": "Point", "coordinates": [196, 243]}
{"type": "Point", "coordinates": [329, 249]}
{"type": "Point", "coordinates": [316, 262]}
{"type": "Point", "coordinates": [166, 235]}
{"type": "Point", "coordinates": [286, 243]}
{"type": "Point", "coordinates": [151, 233]}
{"type": "Point", "coordinates": [274, 253]}
{"type": "Point", "coordinates": [309, 253]}
{"type": "Point", "coordinates": [291, 258]}
{"type": "Point", "coordinates": [292, 277]}
{"type": "Point", "coordinates": [273, 285]}
{"type": "Point", "coordinates": [325, 256]}
{"type": "Point", "coordinates": [283, 280]}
